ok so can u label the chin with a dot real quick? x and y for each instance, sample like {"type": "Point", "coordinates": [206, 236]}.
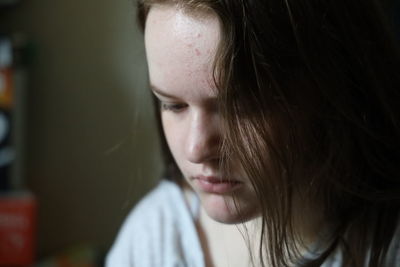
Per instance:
{"type": "Point", "coordinates": [223, 209]}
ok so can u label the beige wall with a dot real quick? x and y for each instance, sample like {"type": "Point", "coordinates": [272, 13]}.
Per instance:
{"type": "Point", "coordinates": [92, 150]}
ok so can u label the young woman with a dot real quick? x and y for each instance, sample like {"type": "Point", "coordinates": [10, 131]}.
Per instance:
{"type": "Point", "coordinates": [281, 132]}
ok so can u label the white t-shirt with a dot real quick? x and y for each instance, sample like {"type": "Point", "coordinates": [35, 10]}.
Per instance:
{"type": "Point", "coordinates": [161, 232]}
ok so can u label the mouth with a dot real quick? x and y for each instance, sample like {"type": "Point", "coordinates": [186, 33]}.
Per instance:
{"type": "Point", "coordinates": [216, 185]}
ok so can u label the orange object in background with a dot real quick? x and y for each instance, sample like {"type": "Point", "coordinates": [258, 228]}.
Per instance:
{"type": "Point", "coordinates": [6, 88]}
{"type": "Point", "coordinates": [17, 229]}
{"type": "Point", "coordinates": [6, 73]}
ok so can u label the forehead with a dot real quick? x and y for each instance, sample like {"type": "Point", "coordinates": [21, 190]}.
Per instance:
{"type": "Point", "coordinates": [180, 47]}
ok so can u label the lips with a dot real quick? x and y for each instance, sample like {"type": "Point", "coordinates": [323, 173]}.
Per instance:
{"type": "Point", "coordinates": [216, 185]}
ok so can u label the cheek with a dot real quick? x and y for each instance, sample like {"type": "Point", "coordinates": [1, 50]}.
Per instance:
{"type": "Point", "coordinates": [174, 135]}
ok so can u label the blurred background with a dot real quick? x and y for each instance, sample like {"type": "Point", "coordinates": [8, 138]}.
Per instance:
{"type": "Point", "coordinates": [79, 145]}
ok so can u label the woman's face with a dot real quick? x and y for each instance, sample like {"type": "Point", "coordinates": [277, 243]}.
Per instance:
{"type": "Point", "coordinates": [180, 51]}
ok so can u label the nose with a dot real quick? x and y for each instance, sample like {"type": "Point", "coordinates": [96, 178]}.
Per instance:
{"type": "Point", "coordinates": [203, 138]}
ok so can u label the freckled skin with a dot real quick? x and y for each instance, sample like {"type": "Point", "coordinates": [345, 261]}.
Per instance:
{"type": "Point", "coordinates": [198, 53]}
{"type": "Point", "coordinates": [180, 51]}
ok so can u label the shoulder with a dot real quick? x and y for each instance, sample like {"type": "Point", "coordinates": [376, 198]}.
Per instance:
{"type": "Point", "coordinates": [162, 199]}
{"type": "Point", "coordinates": [393, 256]}
{"type": "Point", "coordinates": [155, 210]}
{"type": "Point", "coordinates": [153, 229]}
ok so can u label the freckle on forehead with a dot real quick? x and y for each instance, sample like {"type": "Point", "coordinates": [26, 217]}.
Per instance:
{"type": "Point", "coordinates": [181, 51]}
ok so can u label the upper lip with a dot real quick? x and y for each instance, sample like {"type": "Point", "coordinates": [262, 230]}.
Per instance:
{"type": "Point", "coordinates": [215, 179]}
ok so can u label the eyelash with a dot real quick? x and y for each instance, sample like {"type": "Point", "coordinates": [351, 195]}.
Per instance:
{"type": "Point", "coordinates": [176, 108]}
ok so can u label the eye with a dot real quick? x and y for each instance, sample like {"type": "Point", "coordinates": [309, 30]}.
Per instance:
{"type": "Point", "coordinates": [174, 107]}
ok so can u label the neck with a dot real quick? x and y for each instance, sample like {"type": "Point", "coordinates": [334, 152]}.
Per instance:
{"type": "Point", "coordinates": [227, 244]}
{"type": "Point", "coordinates": [234, 241]}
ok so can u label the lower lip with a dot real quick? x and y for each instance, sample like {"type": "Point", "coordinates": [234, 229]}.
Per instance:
{"type": "Point", "coordinates": [217, 188]}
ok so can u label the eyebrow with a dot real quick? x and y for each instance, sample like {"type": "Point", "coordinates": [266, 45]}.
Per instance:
{"type": "Point", "coordinates": [160, 92]}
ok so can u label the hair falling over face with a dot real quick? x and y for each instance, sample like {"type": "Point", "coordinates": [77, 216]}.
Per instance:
{"type": "Point", "coordinates": [309, 95]}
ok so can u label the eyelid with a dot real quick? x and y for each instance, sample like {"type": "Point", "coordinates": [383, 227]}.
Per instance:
{"type": "Point", "coordinates": [172, 106]}
{"type": "Point", "coordinates": [167, 104]}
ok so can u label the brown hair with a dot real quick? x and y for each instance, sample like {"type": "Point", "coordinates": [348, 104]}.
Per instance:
{"type": "Point", "coordinates": [309, 93]}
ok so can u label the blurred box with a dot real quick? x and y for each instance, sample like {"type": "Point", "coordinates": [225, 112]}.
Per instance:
{"type": "Point", "coordinates": [80, 255]}
{"type": "Point", "coordinates": [7, 151]}
{"type": "Point", "coordinates": [17, 229]}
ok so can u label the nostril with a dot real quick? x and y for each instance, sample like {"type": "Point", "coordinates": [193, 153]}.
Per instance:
{"type": "Point", "coordinates": [203, 150]}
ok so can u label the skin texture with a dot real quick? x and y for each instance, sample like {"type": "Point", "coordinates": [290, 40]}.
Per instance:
{"type": "Point", "coordinates": [180, 51]}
